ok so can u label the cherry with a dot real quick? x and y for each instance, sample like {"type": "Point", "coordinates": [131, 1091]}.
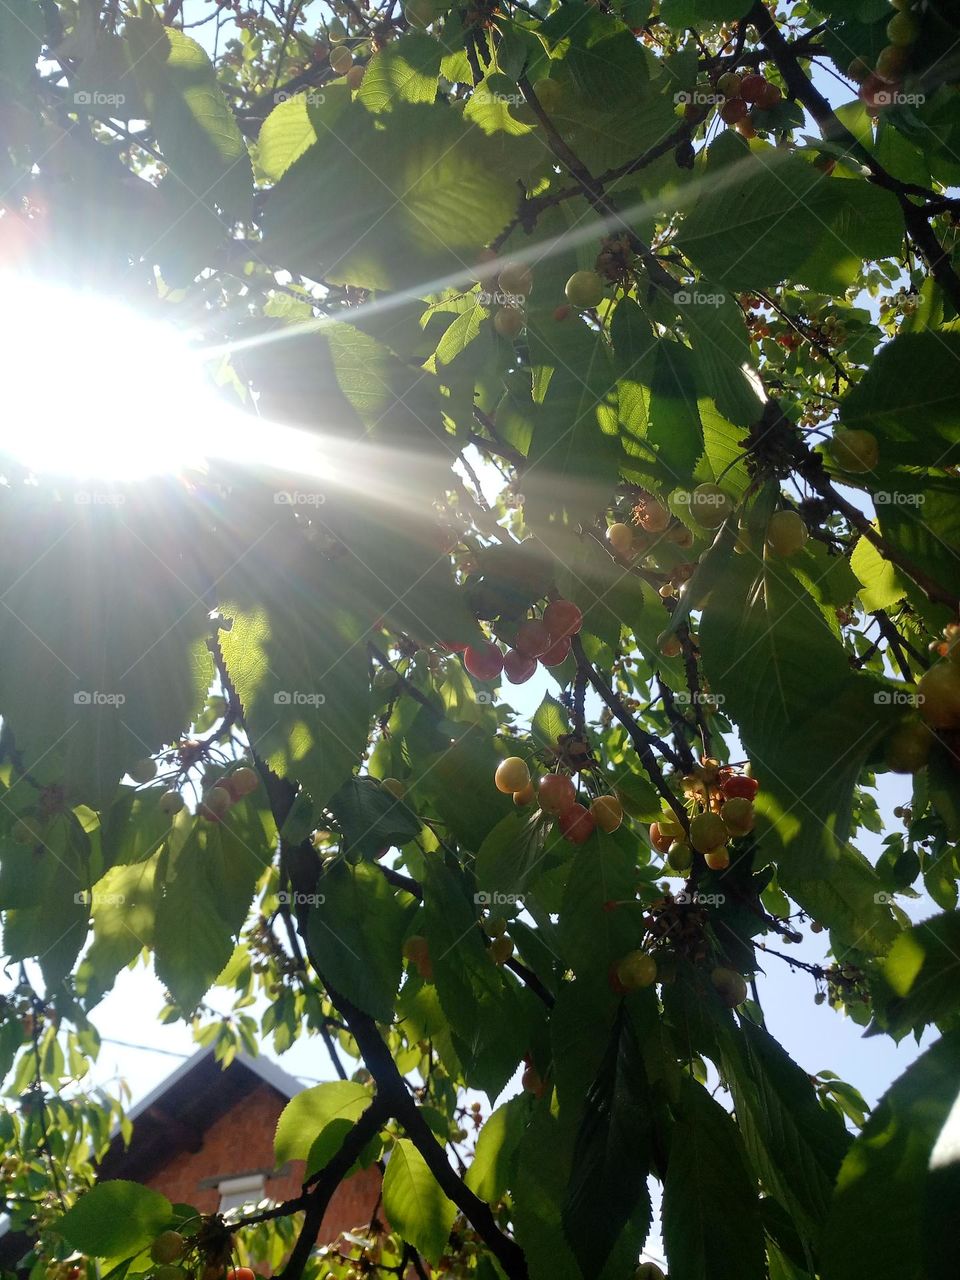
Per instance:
{"type": "Point", "coordinates": [532, 1082]}
{"type": "Point", "coordinates": [419, 14]}
{"type": "Point", "coordinates": [903, 29]}
{"type": "Point", "coordinates": [737, 815]}
{"type": "Point", "coordinates": [680, 856]}
{"type": "Point", "coordinates": [577, 824]}
{"type": "Point", "coordinates": [533, 638]}
{"type": "Point", "coordinates": [242, 782]}
{"type": "Point", "coordinates": [143, 771]}
{"type": "Point", "coordinates": [939, 693]}
{"type": "Point", "coordinates": [241, 1273]}
{"type": "Point", "coordinates": [734, 110]}
{"type": "Point", "coordinates": [557, 652]}
{"type": "Point", "coordinates": [512, 775]}
{"type": "Point", "coordinates": [636, 970]}
{"type": "Point", "coordinates": [710, 506]}
{"type": "Point", "coordinates": [517, 667]}
{"type": "Point", "coordinates": [745, 128]}
{"type": "Point", "coordinates": [751, 87]}
{"type": "Point", "coordinates": [729, 985]}
{"type": "Point", "coordinates": [891, 63]}
{"type": "Point", "coordinates": [908, 746]}
{"type": "Point", "coordinates": [508, 322]}
{"type": "Point", "coordinates": [495, 927]}
{"type": "Point", "coordinates": [416, 949]}
{"type": "Point", "coordinates": [171, 802]}
{"type": "Point", "coordinates": [654, 517]}
{"type": "Point", "coordinates": [341, 59]}
{"type": "Point", "coordinates": [671, 826]}
{"type": "Point", "coordinates": [658, 838]}
{"type": "Point", "coordinates": [485, 661]}
{"type": "Point", "coordinates": [394, 786]}
{"type": "Point", "coordinates": [854, 450]}
{"type": "Point", "coordinates": [584, 289]}
{"type": "Point", "coordinates": [168, 1247]}
{"type": "Point", "coordinates": [501, 949]}
{"type": "Point", "coordinates": [620, 537]}
{"type": "Point", "coordinates": [858, 70]}
{"type": "Point", "coordinates": [770, 96]}
{"type": "Point", "coordinates": [556, 792]}
{"type": "Point", "coordinates": [216, 802]}
{"type": "Point", "coordinates": [718, 859]}
{"type": "Point", "coordinates": [650, 1270]}
{"type": "Point", "coordinates": [355, 78]}
{"type": "Point", "coordinates": [729, 84]}
{"type": "Point", "coordinates": [607, 812]}
{"type": "Point", "coordinates": [739, 785]}
{"type": "Point", "coordinates": [452, 646]}
{"type": "Point", "coordinates": [786, 533]}
{"type": "Point", "coordinates": [563, 618]}
{"type": "Point", "coordinates": [516, 278]}
{"type": "Point", "coordinates": [669, 644]}
{"type": "Point", "coordinates": [707, 832]}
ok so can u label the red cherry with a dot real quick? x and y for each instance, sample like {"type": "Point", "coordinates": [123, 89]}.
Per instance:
{"type": "Point", "coordinates": [770, 96]}
{"type": "Point", "coordinates": [556, 792]}
{"type": "Point", "coordinates": [556, 653]}
{"type": "Point", "coordinates": [563, 618]}
{"type": "Point", "coordinates": [533, 638]}
{"type": "Point", "coordinates": [485, 661]}
{"type": "Point", "coordinates": [577, 824]}
{"type": "Point", "coordinates": [517, 667]}
{"type": "Point", "coordinates": [752, 87]}
{"type": "Point", "coordinates": [739, 786]}
{"type": "Point", "coordinates": [734, 110]}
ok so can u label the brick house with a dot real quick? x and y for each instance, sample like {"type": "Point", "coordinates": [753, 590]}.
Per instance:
{"type": "Point", "coordinates": [204, 1137]}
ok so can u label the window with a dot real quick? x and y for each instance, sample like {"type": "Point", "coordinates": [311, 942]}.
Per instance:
{"type": "Point", "coordinates": [236, 1192]}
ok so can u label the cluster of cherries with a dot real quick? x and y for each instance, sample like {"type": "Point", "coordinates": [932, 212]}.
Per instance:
{"type": "Point", "coordinates": [545, 640]}
{"type": "Point", "coordinates": [723, 796]}
{"type": "Point", "coordinates": [879, 85]}
{"type": "Point", "coordinates": [743, 92]}
{"type": "Point", "coordinates": [557, 796]}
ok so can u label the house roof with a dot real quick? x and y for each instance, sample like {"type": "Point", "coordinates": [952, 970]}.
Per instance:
{"type": "Point", "coordinates": [179, 1111]}
{"type": "Point", "coordinates": [174, 1115]}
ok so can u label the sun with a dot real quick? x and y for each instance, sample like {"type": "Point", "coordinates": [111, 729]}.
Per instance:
{"type": "Point", "coordinates": [96, 389]}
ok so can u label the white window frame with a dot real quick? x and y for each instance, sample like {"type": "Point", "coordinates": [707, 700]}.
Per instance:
{"type": "Point", "coordinates": [236, 1192]}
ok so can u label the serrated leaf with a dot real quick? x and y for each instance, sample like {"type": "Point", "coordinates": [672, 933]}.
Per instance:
{"type": "Point", "coordinates": [307, 1115]}
{"type": "Point", "coordinates": [414, 1204]}
{"type": "Point", "coordinates": [406, 70]}
{"type": "Point", "coordinates": [115, 1218]}
{"type": "Point", "coordinates": [490, 1172]}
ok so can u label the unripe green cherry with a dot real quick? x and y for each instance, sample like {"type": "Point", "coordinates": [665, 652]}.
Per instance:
{"type": "Point", "coordinates": [903, 28]}
{"type": "Point", "coordinates": [737, 816]}
{"type": "Point", "coordinates": [710, 505]}
{"type": "Point", "coordinates": [144, 770]}
{"type": "Point", "coordinates": [341, 59]}
{"type": "Point", "coordinates": [167, 1248]}
{"type": "Point", "coordinates": [938, 691]}
{"type": "Point", "coordinates": [729, 985]}
{"type": "Point", "coordinates": [786, 533]}
{"type": "Point", "coordinates": [707, 831]}
{"type": "Point", "coordinates": [584, 289]}
{"type": "Point", "coordinates": [680, 856]}
{"type": "Point", "coordinates": [636, 970]}
{"type": "Point", "coordinates": [171, 802]}
{"type": "Point", "coordinates": [907, 748]}
{"type": "Point", "coordinates": [854, 450]}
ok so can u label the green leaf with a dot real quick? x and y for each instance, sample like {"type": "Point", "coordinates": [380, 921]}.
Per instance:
{"type": "Point", "coordinates": [711, 1216]}
{"type": "Point", "coordinates": [612, 1155]}
{"type": "Point", "coordinates": [490, 1172]}
{"type": "Point", "coordinates": [294, 125]}
{"type": "Point", "coordinates": [921, 969]}
{"type": "Point", "coordinates": [115, 1218]}
{"type": "Point", "coordinates": [356, 935]}
{"type": "Point", "coordinates": [414, 1204]}
{"type": "Point", "coordinates": [385, 202]}
{"type": "Point", "coordinates": [876, 1225]}
{"type": "Point", "coordinates": [124, 904]}
{"type": "Point", "coordinates": [881, 584]}
{"type": "Point", "coordinates": [795, 1145]}
{"type": "Point", "coordinates": [721, 352]}
{"type": "Point", "coordinates": [21, 38]}
{"type": "Point", "coordinates": [406, 70]}
{"type": "Point", "coordinates": [603, 871]}
{"type": "Point", "coordinates": [550, 721]}
{"type": "Point", "coordinates": [371, 818]}
{"type": "Point", "coordinates": [194, 126]}
{"type": "Point", "coordinates": [307, 1115]}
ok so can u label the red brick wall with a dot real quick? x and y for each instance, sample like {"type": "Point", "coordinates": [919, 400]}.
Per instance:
{"type": "Point", "coordinates": [242, 1141]}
